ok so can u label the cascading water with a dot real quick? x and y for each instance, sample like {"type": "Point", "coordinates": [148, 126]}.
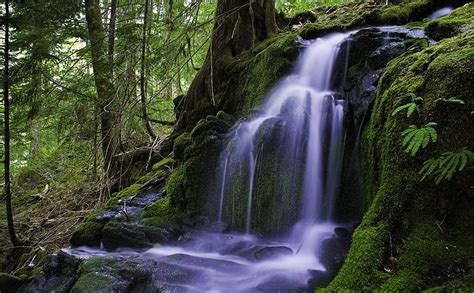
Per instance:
{"type": "Point", "coordinates": [310, 121]}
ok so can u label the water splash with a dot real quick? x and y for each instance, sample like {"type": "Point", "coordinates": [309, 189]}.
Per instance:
{"type": "Point", "coordinates": [440, 13]}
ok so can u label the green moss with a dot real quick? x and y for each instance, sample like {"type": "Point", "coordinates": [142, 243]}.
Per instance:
{"type": "Point", "coordinates": [166, 162]}
{"type": "Point", "coordinates": [160, 214]}
{"type": "Point", "coordinates": [361, 270]}
{"type": "Point", "coordinates": [453, 24]}
{"type": "Point", "coordinates": [87, 233]}
{"type": "Point", "coordinates": [118, 235]}
{"type": "Point", "coordinates": [92, 282]}
{"type": "Point", "coordinates": [100, 274]}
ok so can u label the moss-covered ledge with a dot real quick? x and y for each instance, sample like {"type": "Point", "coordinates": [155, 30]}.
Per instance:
{"type": "Point", "coordinates": [417, 235]}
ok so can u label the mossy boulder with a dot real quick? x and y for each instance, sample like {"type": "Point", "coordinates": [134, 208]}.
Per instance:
{"type": "Point", "coordinates": [59, 275]}
{"type": "Point", "coordinates": [100, 274]}
{"type": "Point", "coordinates": [414, 235]}
{"type": "Point", "coordinates": [87, 233]}
{"type": "Point", "coordinates": [458, 21]}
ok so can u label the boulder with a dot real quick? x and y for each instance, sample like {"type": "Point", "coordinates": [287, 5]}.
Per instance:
{"type": "Point", "coordinates": [272, 252]}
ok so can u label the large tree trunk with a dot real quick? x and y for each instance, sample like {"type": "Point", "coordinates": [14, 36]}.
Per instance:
{"type": "Point", "coordinates": [239, 26]}
{"type": "Point", "coordinates": [105, 88]}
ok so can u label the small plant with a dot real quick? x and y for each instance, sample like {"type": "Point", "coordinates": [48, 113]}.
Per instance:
{"type": "Point", "coordinates": [452, 100]}
{"type": "Point", "coordinates": [410, 107]}
{"type": "Point", "coordinates": [416, 138]}
{"type": "Point", "coordinates": [447, 165]}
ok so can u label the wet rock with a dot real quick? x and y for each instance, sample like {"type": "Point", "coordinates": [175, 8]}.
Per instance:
{"type": "Point", "coordinates": [194, 261]}
{"type": "Point", "coordinates": [172, 274]}
{"type": "Point", "coordinates": [272, 252]}
{"type": "Point", "coordinates": [116, 235]}
{"type": "Point", "coordinates": [104, 274]}
{"type": "Point", "coordinates": [146, 198]}
{"type": "Point", "coordinates": [342, 232]}
{"type": "Point", "coordinates": [87, 234]}
{"type": "Point", "coordinates": [333, 251]}
{"type": "Point", "coordinates": [319, 279]}
{"type": "Point", "coordinates": [281, 283]}
{"type": "Point", "coordinates": [58, 275]}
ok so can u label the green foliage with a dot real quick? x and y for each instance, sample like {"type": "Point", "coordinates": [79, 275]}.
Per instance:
{"type": "Point", "coordinates": [445, 166]}
{"type": "Point", "coordinates": [410, 107]}
{"type": "Point", "coordinates": [452, 100]}
{"type": "Point", "coordinates": [416, 138]}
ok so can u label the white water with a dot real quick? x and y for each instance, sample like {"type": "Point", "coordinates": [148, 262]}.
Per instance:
{"type": "Point", "coordinates": [440, 13]}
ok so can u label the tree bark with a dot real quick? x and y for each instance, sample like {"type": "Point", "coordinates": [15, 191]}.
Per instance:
{"type": "Point", "coordinates": [112, 25]}
{"type": "Point", "coordinates": [6, 106]}
{"type": "Point", "coordinates": [143, 71]}
{"type": "Point", "coordinates": [105, 88]}
{"type": "Point", "coordinates": [239, 26]}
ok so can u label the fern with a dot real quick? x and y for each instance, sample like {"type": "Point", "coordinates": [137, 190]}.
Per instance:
{"type": "Point", "coordinates": [416, 138]}
{"type": "Point", "coordinates": [410, 107]}
{"type": "Point", "coordinates": [447, 165]}
{"type": "Point", "coordinates": [452, 100]}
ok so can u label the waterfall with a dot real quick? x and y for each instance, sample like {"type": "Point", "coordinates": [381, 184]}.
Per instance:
{"type": "Point", "coordinates": [304, 111]}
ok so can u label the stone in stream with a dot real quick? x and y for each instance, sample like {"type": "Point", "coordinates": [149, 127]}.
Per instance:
{"type": "Point", "coordinates": [342, 232]}
{"type": "Point", "coordinates": [271, 252]}
{"type": "Point", "coordinates": [281, 283]}
{"type": "Point", "coordinates": [319, 279]}
{"type": "Point", "coordinates": [332, 253]}
{"type": "Point", "coordinates": [59, 275]}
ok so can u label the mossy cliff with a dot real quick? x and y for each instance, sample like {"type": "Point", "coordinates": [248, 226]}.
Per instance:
{"type": "Point", "coordinates": [417, 235]}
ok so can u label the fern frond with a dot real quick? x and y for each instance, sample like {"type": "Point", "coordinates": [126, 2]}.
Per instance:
{"type": "Point", "coordinates": [446, 165]}
{"type": "Point", "coordinates": [416, 138]}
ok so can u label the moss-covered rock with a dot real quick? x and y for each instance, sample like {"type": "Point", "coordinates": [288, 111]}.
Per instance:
{"type": "Point", "coordinates": [414, 234]}
{"type": "Point", "coordinates": [458, 21]}
{"type": "Point", "coordinates": [87, 233]}
{"type": "Point", "coordinates": [111, 275]}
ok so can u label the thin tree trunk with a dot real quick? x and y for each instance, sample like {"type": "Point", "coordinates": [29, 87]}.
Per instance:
{"type": "Point", "coordinates": [105, 88]}
{"type": "Point", "coordinates": [6, 106]}
{"type": "Point", "coordinates": [143, 75]}
{"type": "Point", "coordinates": [112, 24]}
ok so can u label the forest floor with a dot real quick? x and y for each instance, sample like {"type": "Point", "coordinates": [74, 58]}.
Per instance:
{"type": "Point", "coordinates": [46, 223]}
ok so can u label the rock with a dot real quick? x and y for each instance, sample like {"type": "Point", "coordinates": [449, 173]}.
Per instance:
{"type": "Point", "coordinates": [87, 234]}
{"type": "Point", "coordinates": [332, 253]}
{"type": "Point", "coordinates": [319, 279]}
{"type": "Point", "coordinates": [9, 283]}
{"type": "Point", "coordinates": [272, 252]}
{"type": "Point", "coordinates": [117, 235]}
{"type": "Point", "coordinates": [58, 275]}
{"type": "Point", "coordinates": [342, 232]}
{"type": "Point", "coordinates": [280, 283]}
{"type": "Point", "coordinates": [146, 198]}
{"type": "Point", "coordinates": [194, 261]}
{"type": "Point", "coordinates": [105, 274]}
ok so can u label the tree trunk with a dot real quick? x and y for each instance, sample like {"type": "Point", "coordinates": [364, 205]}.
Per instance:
{"type": "Point", "coordinates": [6, 106]}
{"type": "Point", "coordinates": [239, 26]}
{"type": "Point", "coordinates": [112, 24]}
{"type": "Point", "coordinates": [105, 88]}
{"type": "Point", "coordinates": [143, 71]}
